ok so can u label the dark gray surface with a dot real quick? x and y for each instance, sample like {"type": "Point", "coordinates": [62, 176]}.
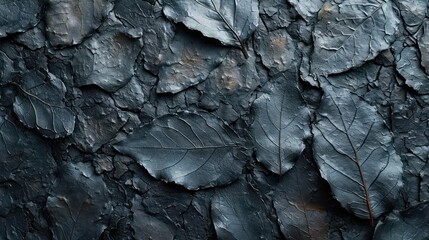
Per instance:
{"type": "Point", "coordinates": [214, 119]}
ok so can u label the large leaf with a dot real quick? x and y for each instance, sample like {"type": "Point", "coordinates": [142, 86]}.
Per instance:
{"type": "Point", "coordinates": [77, 203]}
{"type": "Point", "coordinates": [301, 203]}
{"type": "Point", "coordinates": [238, 212]}
{"type": "Point", "coordinates": [354, 151]}
{"type": "Point", "coordinates": [412, 223]}
{"type": "Point", "coordinates": [40, 105]}
{"type": "Point", "coordinates": [281, 124]}
{"type": "Point", "coordinates": [352, 32]}
{"type": "Point", "coordinates": [193, 150]}
{"type": "Point", "coordinates": [231, 22]}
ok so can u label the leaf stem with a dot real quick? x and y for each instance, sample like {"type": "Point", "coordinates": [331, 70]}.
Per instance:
{"type": "Point", "coordinates": [243, 48]}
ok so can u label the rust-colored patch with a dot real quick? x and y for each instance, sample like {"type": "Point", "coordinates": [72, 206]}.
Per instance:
{"type": "Point", "coordinates": [279, 44]}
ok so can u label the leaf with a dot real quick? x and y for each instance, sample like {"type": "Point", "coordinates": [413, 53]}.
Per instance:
{"type": "Point", "coordinates": [413, 13]}
{"type": "Point", "coordinates": [40, 105]}
{"type": "Point", "coordinates": [412, 223]}
{"type": "Point", "coordinates": [26, 161]}
{"type": "Point", "coordinates": [18, 15]}
{"type": "Point", "coordinates": [350, 33]}
{"type": "Point", "coordinates": [232, 84]}
{"type": "Point", "coordinates": [277, 49]}
{"type": "Point", "coordinates": [230, 22]}
{"type": "Point", "coordinates": [355, 154]}
{"type": "Point", "coordinates": [238, 212]}
{"type": "Point", "coordinates": [281, 124]}
{"type": "Point", "coordinates": [68, 22]}
{"type": "Point", "coordinates": [106, 60]}
{"type": "Point", "coordinates": [146, 226]}
{"type": "Point", "coordinates": [193, 150]}
{"type": "Point", "coordinates": [98, 121]}
{"type": "Point", "coordinates": [187, 62]}
{"type": "Point", "coordinates": [307, 8]}
{"type": "Point", "coordinates": [408, 65]}
{"type": "Point", "coordinates": [355, 80]}
{"type": "Point", "coordinates": [301, 203]}
{"type": "Point", "coordinates": [77, 203]}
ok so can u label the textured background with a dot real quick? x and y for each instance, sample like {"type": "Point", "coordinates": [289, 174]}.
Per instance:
{"type": "Point", "coordinates": [214, 119]}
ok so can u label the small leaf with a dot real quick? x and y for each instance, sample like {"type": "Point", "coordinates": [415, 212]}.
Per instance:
{"type": "Point", "coordinates": [301, 203]}
{"type": "Point", "coordinates": [413, 13]}
{"type": "Point", "coordinates": [40, 105]}
{"type": "Point", "coordinates": [68, 22]}
{"type": "Point", "coordinates": [77, 203]}
{"type": "Point", "coordinates": [18, 15]}
{"type": "Point", "coordinates": [238, 212]}
{"type": "Point", "coordinates": [193, 150]}
{"type": "Point", "coordinates": [148, 227]}
{"type": "Point", "coordinates": [277, 49]}
{"type": "Point", "coordinates": [412, 223]}
{"type": "Point", "coordinates": [352, 32]}
{"type": "Point", "coordinates": [281, 124]}
{"type": "Point", "coordinates": [355, 153]}
{"type": "Point", "coordinates": [408, 65]}
{"type": "Point", "coordinates": [106, 60]}
{"type": "Point", "coordinates": [187, 62]}
{"type": "Point", "coordinates": [230, 22]}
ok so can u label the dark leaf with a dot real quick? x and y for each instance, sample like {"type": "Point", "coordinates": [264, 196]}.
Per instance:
{"type": "Point", "coordinates": [230, 22]}
{"type": "Point", "coordinates": [18, 15]}
{"type": "Point", "coordinates": [277, 50]}
{"type": "Point", "coordinates": [238, 212]}
{"type": "Point", "coordinates": [412, 223]}
{"type": "Point", "coordinates": [77, 203]}
{"type": "Point", "coordinates": [33, 38]}
{"type": "Point", "coordinates": [131, 96]}
{"type": "Point", "coordinates": [69, 22]}
{"type": "Point", "coordinates": [193, 150]}
{"type": "Point", "coordinates": [187, 62]}
{"type": "Point", "coordinates": [26, 161]}
{"type": "Point", "coordinates": [354, 151]}
{"type": "Point", "coordinates": [302, 203]}
{"type": "Point", "coordinates": [98, 121]}
{"type": "Point", "coordinates": [148, 227]}
{"type": "Point", "coordinates": [231, 84]}
{"type": "Point", "coordinates": [408, 65]}
{"type": "Point", "coordinates": [106, 60]}
{"type": "Point", "coordinates": [356, 80]}
{"type": "Point", "coordinates": [40, 105]}
{"type": "Point", "coordinates": [157, 31]}
{"type": "Point", "coordinates": [275, 14]}
{"type": "Point", "coordinates": [281, 124]}
{"type": "Point", "coordinates": [413, 13]}
{"type": "Point", "coordinates": [352, 32]}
